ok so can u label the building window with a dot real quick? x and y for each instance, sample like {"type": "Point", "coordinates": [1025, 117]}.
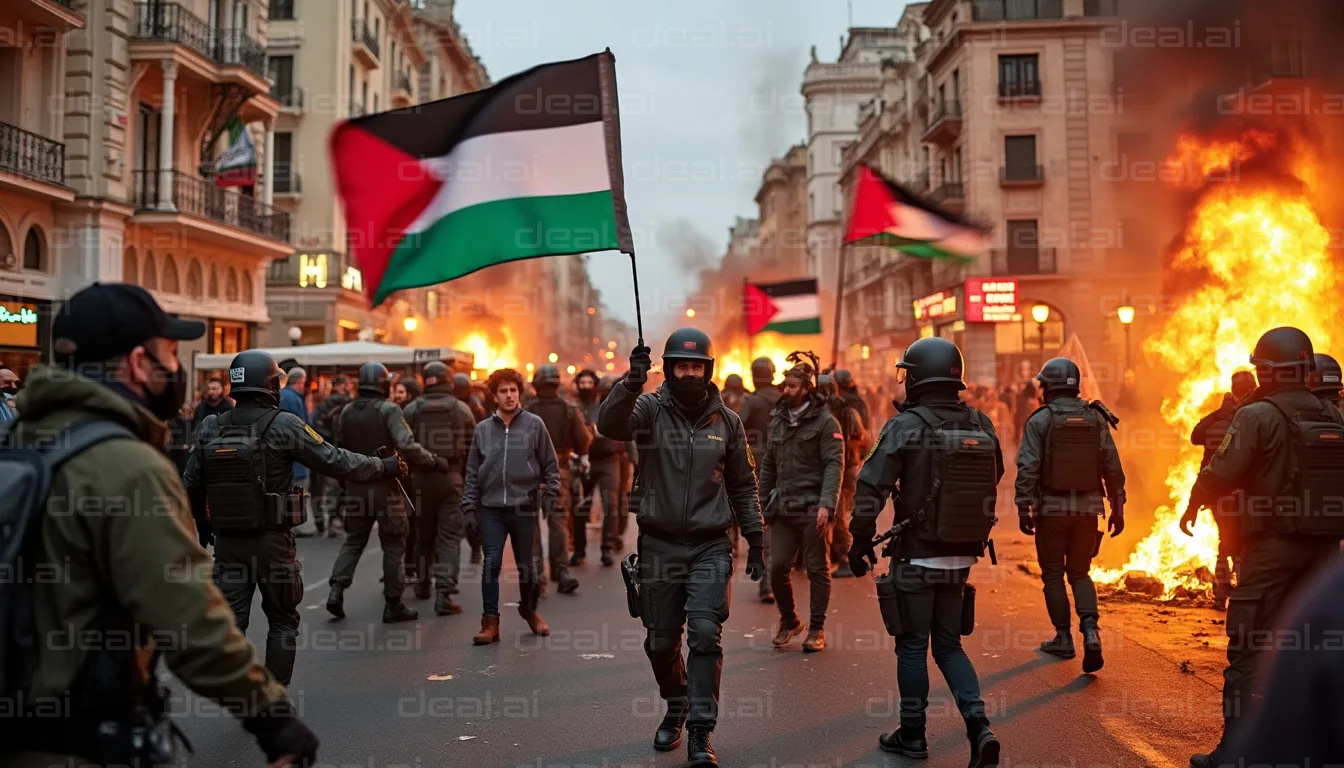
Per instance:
{"type": "Point", "coordinates": [213, 291]}
{"type": "Point", "coordinates": [1019, 76]}
{"type": "Point", "coordinates": [231, 286]}
{"type": "Point", "coordinates": [375, 102]}
{"type": "Point", "coordinates": [34, 250]}
{"type": "Point", "coordinates": [1019, 158]}
{"type": "Point", "coordinates": [284, 162]}
{"type": "Point", "coordinates": [1023, 247]}
{"type": "Point", "coordinates": [194, 279]}
{"type": "Point", "coordinates": [281, 9]}
{"type": "Point", "coordinates": [170, 282]}
{"type": "Point", "coordinates": [229, 338]}
{"type": "Point", "coordinates": [281, 70]}
{"type": "Point", "coordinates": [150, 278]}
{"type": "Point", "coordinates": [247, 288]}
{"type": "Point", "coordinates": [130, 267]}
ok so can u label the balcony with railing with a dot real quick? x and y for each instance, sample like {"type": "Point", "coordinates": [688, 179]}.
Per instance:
{"type": "Point", "coordinates": [1020, 89]}
{"type": "Point", "coordinates": [200, 197]}
{"type": "Point", "coordinates": [1101, 7]}
{"type": "Point", "coordinates": [1016, 262]}
{"type": "Point", "coordinates": [1021, 175]}
{"type": "Point", "coordinates": [234, 48]}
{"type": "Point", "coordinates": [945, 125]}
{"type": "Point", "coordinates": [355, 108]}
{"type": "Point", "coordinates": [291, 97]}
{"type": "Point", "coordinates": [364, 42]}
{"type": "Point", "coordinates": [951, 194]}
{"type": "Point", "coordinates": [401, 88]}
{"type": "Point", "coordinates": [921, 182]}
{"type": "Point", "coordinates": [172, 23]}
{"type": "Point", "coordinates": [287, 183]}
{"type": "Point", "coordinates": [1017, 10]}
{"type": "Point", "coordinates": [31, 156]}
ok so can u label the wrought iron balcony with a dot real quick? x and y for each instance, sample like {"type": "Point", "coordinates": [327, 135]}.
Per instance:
{"type": "Point", "coordinates": [945, 125]}
{"type": "Point", "coordinates": [1018, 174]}
{"type": "Point", "coordinates": [401, 81]}
{"type": "Point", "coordinates": [290, 98]}
{"type": "Point", "coordinates": [356, 109]}
{"type": "Point", "coordinates": [1017, 10]}
{"type": "Point", "coordinates": [287, 183]}
{"type": "Point", "coordinates": [1007, 262]}
{"type": "Point", "coordinates": [360, 34]}
{"type": "Point", "coordinates": [950, 192]}
{"type": "Point", "coordinates": [201, 197]}
{"type": "Point", "coordinates": [31, 156]}
{"type": "Point", "coordinates": [1020, 89]}
{"type": "Point", "coordinates": [234, 48]}
{"type": "Point", "coordinates": [171, 23]}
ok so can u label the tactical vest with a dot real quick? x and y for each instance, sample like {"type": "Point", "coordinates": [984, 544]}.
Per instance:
{"type": "Point", "coordinates": [958, 505]}
{"type": "Point", "coordinates": [324, 419]}
{"type": "Point", "coordinates": [438, 429]}
{"type": "Point", "coordinates": [1311, 500]}
{"type": "Point", "coordinates": [559, 419]}
{"type": "Point", "coordinates": [364, 428]}
{"type": "Point", "coordinates": [235, 475]}
{"type": "Point", "coordinates": [1073, 451]}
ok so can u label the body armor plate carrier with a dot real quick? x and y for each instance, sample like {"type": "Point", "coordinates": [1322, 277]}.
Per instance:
{"type": "Point", "coordinates": [960, 508]}
{"type": "Point", "coordinates": [1073, 451]}
{"type": "Point", "coordinates": [235, 474]}
{"type": "Point", "coordinates": [1311, 501]}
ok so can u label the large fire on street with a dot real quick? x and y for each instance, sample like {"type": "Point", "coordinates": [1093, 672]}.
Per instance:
{"type": "Point", "coordinates": [1261, 258]}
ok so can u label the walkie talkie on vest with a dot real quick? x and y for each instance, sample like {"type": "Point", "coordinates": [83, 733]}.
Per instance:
{"type": "Point", "coordinates": [384, 453]}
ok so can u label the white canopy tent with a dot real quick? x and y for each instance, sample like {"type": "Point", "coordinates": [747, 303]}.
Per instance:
{"type": "Point", "coordinates": [346, 353]}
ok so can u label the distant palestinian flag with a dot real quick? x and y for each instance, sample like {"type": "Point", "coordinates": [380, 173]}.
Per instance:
{"type": "Point", "coordinates": [529, 167]}
{"type": "Point", "coordinates": [884, 213]}
{"type": "Point", "coordinates": [237, 167]}
{"type": "Point", "coordinates": [791, 308]}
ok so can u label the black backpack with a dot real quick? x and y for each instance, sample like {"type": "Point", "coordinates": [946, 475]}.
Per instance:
{"type": "Point", "coordinates": [235, 476]}
{"type": "Point", "coordinates": [1312, 498]}
{"type": "Point", "coordinates": [964, 490]}
{"type": "Point", "coordinates": [1073, 452]}
{"type": "Point", "coordinates": [438, 429]}
{"type": "Point", "coordinates": [26, 476]}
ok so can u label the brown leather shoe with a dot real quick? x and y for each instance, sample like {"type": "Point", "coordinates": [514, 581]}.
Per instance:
{"type": "Point", "coordinates": [534, 621]}
{"type": "Point", "coordinates": [787, 632]}
{"type": "Point", "coordinates": [816, 641]}
{"type": "Point", "coordinates": [489, 631]}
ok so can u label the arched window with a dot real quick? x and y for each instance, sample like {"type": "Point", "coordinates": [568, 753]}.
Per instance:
{"type": "Point", "coordinates": [150, 277]}
{"type": "Point", "coordinates": [214, 283]}
{"type": "Point", "coordinates": [231, 286]}
{"type": "Point", "coordinates": [247, 288]}
{"type": "Point", "coordinates": [170, 282]}
{"type": "Point", "coordinates": [130, 267]}
{"type": "Point", "coordinates": [194, 279]}
{"type": "Point", "coordinates": [6, 249]}
{"type": "Point", "coordinates": [34, 249]}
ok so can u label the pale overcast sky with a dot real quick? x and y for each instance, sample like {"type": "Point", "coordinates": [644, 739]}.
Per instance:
{"type": "Point", "coordinates": [709, 92]}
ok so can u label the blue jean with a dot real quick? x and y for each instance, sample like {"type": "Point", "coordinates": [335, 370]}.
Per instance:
{"type": "Point", "coordinates": [519, 527]}
{"type": "Point", "coordinates": [931, 610]}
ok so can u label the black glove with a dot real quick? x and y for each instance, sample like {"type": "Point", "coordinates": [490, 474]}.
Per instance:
{"type": "Point", "coordinates": [441, 464]}
{"type": "Point", "coordinates": [471, 522]}
{"type": "Point", "coordinates": [862, 556]}
{"type": "Point", "coordinates": [280, 733]}
{"type": "Point", "coordinates": [755, 562]}
{"type": "Point", "coordinates": [1116, 525]}
{"type": "Point", "coordinates": [640, 363]}
{"type": "Point", "coordinates": [392, 466]}
{"type": "Point", "coordinates": [1191, 515]}
{"type": "Point", "coordinates": [1024, 521]}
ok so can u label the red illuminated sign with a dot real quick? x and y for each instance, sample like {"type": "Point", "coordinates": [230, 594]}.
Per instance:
{"type": "Point", "coordinates": [990, 300]}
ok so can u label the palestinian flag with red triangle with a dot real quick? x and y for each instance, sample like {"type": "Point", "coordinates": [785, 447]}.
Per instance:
{"type": "Point", "coordinates": [885, 213]}
{"type": "Point", "coordinates": [790, 307]}
{"type": "Point", "coordinates": [526, 168]}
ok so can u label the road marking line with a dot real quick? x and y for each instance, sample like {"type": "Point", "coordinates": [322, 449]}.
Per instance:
{"type": "Point", "coordinates": [1133, 739]}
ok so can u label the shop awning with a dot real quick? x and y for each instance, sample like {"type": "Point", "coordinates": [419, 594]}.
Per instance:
{"type": "Point", "coordinates": [346, 353]}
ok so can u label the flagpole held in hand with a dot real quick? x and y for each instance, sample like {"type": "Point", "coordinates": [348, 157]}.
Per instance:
{"type": "Point", "coordinates": [639, 315]}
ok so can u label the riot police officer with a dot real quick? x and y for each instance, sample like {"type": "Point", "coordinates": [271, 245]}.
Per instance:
{"type": "Point", "coordinates": [368, 425]}
{"type": "Point", "coordinates": [844, 382]}
{"type": "Point", "coordinates": [1326, 379]}
{"type": "Point", "coordinates": [1067, 464]}
{"type": "Point", "coordinates": [696, 480]}
{"type": "Point", "coordinates": [945, 455]}
{"type": "Point", "coordinates": [852, 428]}
{"type": "Point", "coordinates": [328, 491]}
{"type": "Point", "coordinates": [444, 426]}
{"type": "Point", "coordinates": [756, 409]}
{"type": "Point", "coordinates": [799, 490]}
{"type": "Point", "coordinates": [571, 438]}
{"type": "Point", "coordinates": [462, 391]}
{"type": "Point", "coordinates": [1285, 453]}
{"type": "Point", "coordinates": [253, 521]}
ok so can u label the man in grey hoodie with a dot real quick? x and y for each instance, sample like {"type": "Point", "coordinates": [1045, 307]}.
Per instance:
{"type": "Point", "coordinates": [511, 471]}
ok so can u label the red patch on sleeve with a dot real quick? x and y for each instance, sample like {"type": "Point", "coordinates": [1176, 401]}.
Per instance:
{"type": "Point", "coordinates": [838, 436]}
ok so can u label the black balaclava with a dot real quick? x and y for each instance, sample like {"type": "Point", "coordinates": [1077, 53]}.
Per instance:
{"type": "Point", "coordinates": [689, 392]}
{"type": "Point", "coordinates": [587, 395]}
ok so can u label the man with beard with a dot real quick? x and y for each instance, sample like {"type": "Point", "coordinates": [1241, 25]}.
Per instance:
{"type": "Point", "coordinates": [800, 486]}
{"type": "Point", "coordinates": [1209, 433]}
{"type": "Point", "coordinates": [327, 494]}
{"type": "Point", "coordinates": [1284, 453]}
{"type": "Point", "coordinates": [571, 437]}
{"type": "Point", "coordinates": [756, 410]}
{"type": "Point", "coordinates": [697, 479]}
{"type": "Point", "coordinates": [604, 475]}
{"type": "Point", "coordinates": [213, 404]}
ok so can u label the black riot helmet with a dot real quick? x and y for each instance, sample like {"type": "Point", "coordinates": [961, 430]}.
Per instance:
{"type": "Point", "coordinates": [844, 379]}
{"type": "Point", "coordinates": [374, 379]}
{"type": "Point", "coordinates": [1060, 374]}
{"type": "Point", "coordinates": [826, 385]}
{"type": "Point", "coordinates": [763, 369]}
{"type": "Point", "coordinates": [439, 372]}
{"type": "Point", "coordinates": [1326, 380]}
{"type": "Point", "coordinates": [688, 344]}
{"type": "Point", "coordinates": [254, 372]}
{"type": "Point", "coordinates": [546, 375]}
{"type": "Point", "coordinates": [932, 361]}
{"type": "Point", "coordinates": [461, 385]}
{"type": "Point", "coordinates": [1283, 355]}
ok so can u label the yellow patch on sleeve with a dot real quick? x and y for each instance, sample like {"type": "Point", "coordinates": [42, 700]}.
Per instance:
{"type": "Point", "coordinates": [871, 451]}
{"type": "Point", "coordinates": [404, 424]}
{"type": "Point", "coordinates": [1227, 441]}
{"type": "Point", "coordinates": [312, 434]}
{"type": "Point", "coordinates": [715, 437]}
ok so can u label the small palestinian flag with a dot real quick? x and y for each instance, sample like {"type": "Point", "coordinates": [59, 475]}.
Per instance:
{"type": "Point", "coordinates": [790, 308]}
{"type": "Point", "coordinates": [237, 167]}
{"type": "Point", "coordinates": [528, 167]}
{"type": "Point", "coordinates": [884, 213]}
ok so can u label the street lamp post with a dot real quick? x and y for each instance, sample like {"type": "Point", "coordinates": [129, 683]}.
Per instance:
{"type": "Point", "coordinates": [1041, 313]}
{"type": "Point", "coordinates": [1126, 314]}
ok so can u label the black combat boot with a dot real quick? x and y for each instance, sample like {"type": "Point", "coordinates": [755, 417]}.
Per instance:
{"type": "Point", "coordinates": [668, 736]}
{"type": "Point", "coordinates": [1092, 660]}
{"type": "Point", "coordinates": [699, 752]}
{"type": "Point", "coordinates": [336, 601]}
{"type": "Point", "coordinates": [905, 741]}
{"type": "Point", "coordinates": [608, 560]}
{"type": "Point", "coordinates": [1060, 645]}
{"type": "Point", "coordinates": [395, 611]}
{"type": "Point", "coordinates": [575, 560]}
{"type": "Point", "coordinates": [422, 589]}
{"type": "Point", "coordinates": [566, 584]}
{"type": "Point", "coordinates": [984, 744]}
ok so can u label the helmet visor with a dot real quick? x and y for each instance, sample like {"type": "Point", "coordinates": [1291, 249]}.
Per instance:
{"type": "Point", "coordinates": [901, 375]}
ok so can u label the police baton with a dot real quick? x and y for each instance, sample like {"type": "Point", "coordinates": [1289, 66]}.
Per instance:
{"type": "Point", "coordinates": [384, 453]}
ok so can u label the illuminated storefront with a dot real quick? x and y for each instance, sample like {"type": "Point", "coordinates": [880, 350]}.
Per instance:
{"type": "Point", "coordinates": [25, 332]}
{"type": "Point", "coordinates": [990, 319]}
{"type": "Point", "coordinates": [321, 294]}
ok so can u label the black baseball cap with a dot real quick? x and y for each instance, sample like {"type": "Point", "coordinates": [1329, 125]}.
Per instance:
{"type": "Point", "coordinates": [105, 320]}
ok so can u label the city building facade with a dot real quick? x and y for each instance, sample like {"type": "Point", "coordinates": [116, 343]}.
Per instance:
{"type": "Point", "coordinates": [781, 232]}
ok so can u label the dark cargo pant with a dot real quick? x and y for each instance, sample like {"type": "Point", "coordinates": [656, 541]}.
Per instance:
{"type": "Point", "coordinates": [1064, 547]}
{"type": "Point", "coordinates": [265, 562]}
{"type": "Point", "coordinates": [840, 535]}
{"type": "Point", "coordinates": [1273, 569]}
{"type": "Point", "coordinates": [606, 478]}
{"type": "Point", "coordinates": [326, 500]}
{"type": "Point", "coordinates": [365, 505]}
{"type": "Point", "coordinates": [930, 605]}
{"type": "Point", "coordinates": [439, 538]}
{"type": "Point", "coordinates": [791, 533]}
{"type": "Point", "coordinates": [686, 585]}
{"type": "Point", "coordinates": [557, 532]}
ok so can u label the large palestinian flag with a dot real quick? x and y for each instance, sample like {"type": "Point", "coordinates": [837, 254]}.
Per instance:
{"type": "Point", "coordinates": [884, 213]}
{"type": "Point", "coordinates": [529, 167]}
{"type": "Point", "coordinates": [789, 308]}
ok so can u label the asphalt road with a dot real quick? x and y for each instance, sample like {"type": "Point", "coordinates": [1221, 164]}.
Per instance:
{"type": "Point", "coordinates": [420, 694]}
